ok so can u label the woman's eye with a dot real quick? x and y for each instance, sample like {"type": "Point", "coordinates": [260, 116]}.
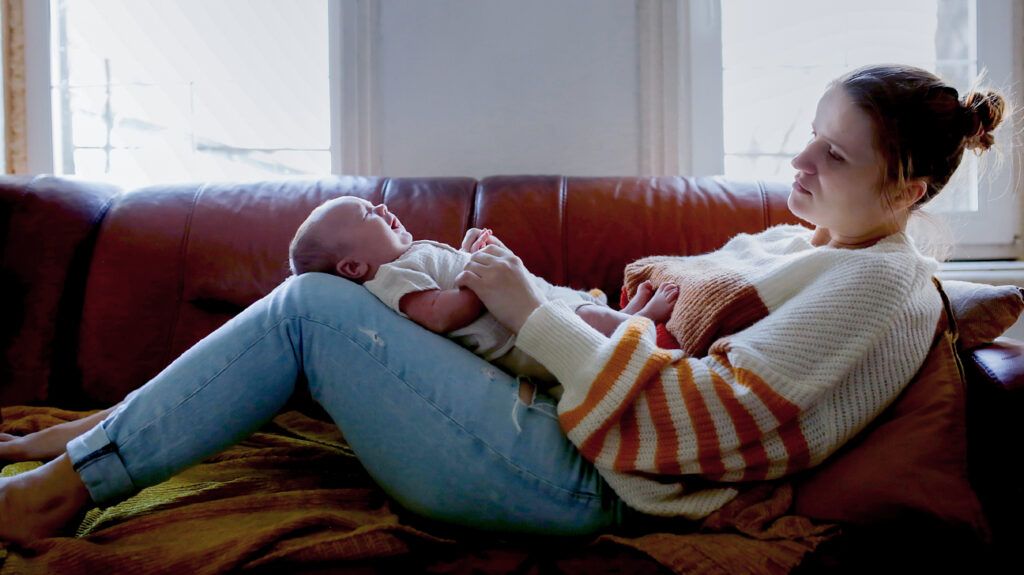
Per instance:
{"type": "Point", "coordinates": [834, 155]}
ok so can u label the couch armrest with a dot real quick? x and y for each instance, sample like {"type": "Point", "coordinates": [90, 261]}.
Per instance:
{"type": "Point", "coordinates": [48, 226]}
{"type": "Point", "coordinates": [995, 410]}
{"type": "Point", "coordinates": [1000, 365]}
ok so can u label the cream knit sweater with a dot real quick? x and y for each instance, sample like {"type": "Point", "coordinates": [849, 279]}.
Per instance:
{"type": "Point", "coordinates": [826, 339]}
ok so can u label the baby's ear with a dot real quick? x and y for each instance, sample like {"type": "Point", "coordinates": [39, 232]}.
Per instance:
{"type": "Point", "coordinates": [351, 269]}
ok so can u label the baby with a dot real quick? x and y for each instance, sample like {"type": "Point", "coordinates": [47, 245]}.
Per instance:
{"type": "Point", "coordinates": [354, 239]}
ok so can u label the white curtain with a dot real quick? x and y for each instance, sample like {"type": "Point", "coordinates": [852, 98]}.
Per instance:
{"type": "Point", "coordinates": [15, 137]}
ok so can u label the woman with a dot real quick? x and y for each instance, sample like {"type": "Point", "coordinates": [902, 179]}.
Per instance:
{"type": "Point", "coordinates": [843, 318]}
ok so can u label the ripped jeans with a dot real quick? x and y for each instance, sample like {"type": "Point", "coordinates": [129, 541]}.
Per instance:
{"type": "Point", "coordinates": [443, 432]}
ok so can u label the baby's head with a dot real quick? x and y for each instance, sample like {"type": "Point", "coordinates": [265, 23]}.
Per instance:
{"type": "Point", "coordinates": [348, 237]}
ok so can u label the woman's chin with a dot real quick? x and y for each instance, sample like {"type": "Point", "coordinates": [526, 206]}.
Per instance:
{"type": "Point", "coordinates": [797, 203]}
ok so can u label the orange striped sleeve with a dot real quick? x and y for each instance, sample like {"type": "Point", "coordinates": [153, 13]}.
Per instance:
{"type": "Point", "coordinates": [592, 445]}
{"type": "Point", "coordinates": [755, 458]}
{"type": "Point", "coordinates": [666, 453]}
{"type": "Point", "coordinates": [786, 413]}
{"type": "Point", "coordinates": [709, 451]}
{"type": "Point", "coordinates": [796, 446]}
{"type": "Point", "coordinates": [608, 375]}
{"type": "Point", "coordinates": [629, 441]}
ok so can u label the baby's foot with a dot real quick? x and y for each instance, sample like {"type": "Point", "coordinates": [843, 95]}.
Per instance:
{"type": "Point", "coordinates": [643, 295]}
{"type": "Point", "coordinates": [660, 306]}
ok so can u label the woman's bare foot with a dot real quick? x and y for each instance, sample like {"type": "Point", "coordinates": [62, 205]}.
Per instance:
{"type": "Point", "coordinates": [644, 291]}
{"type": "Point", "coordinates": [38, 503]}
{"type": "Point", "coordinates": [659, 307]}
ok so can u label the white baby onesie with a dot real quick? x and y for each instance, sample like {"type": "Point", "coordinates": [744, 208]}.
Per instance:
{"type": "Point", "coordinates": [428, 265]}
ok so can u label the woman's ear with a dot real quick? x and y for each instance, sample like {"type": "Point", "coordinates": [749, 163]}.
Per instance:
{"type": "Point", "coordinates": [351, 268]}
{"type": "Point", "coordinates": [911, 193]}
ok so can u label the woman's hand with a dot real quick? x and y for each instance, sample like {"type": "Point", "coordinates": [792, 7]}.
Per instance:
{"type": "Point", "coordinates": [477, 239]}
{"type": "Point", "coordinates": [501, 281]}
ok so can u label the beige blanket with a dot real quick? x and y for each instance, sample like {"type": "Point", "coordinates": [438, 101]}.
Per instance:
{"type": "Point", "coordinates": [293, 497]}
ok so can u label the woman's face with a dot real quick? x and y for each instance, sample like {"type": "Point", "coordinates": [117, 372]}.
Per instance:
{"type": "Point", "coordinates": [839, 174]}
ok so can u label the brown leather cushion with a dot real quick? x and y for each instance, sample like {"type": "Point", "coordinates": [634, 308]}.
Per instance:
{"type": "Point", "coordinates": [983, 312]}
{"type": "Point", "coordinates": [910, 463]}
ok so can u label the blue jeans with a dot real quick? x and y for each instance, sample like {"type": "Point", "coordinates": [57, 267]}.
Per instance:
{"type": "Point", "coordinates": [440, 430]}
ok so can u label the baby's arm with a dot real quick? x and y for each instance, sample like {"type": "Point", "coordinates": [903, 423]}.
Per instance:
{"type": "Point", "coordinates": [442, 311]}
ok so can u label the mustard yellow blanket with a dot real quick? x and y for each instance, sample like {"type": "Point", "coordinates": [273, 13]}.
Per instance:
{"type": "Point", "coordinates": [294, 497]}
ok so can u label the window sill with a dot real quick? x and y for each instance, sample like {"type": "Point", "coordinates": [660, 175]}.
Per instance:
{"type": "Point", "coordinates": [999, 272]}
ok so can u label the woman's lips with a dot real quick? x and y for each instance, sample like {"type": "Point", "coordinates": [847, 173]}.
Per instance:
{"type": "Point", "coordinates": [798, 188]}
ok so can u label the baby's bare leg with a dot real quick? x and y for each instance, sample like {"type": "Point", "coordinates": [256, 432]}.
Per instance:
{"type": "Point", "coordinates": [657, 308]}
{"type": "Point", "coordinates": [603, 319]}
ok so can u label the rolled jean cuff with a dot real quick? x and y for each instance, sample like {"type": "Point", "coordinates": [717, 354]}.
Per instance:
{"type": "Point", "coordinates": [98, 463]}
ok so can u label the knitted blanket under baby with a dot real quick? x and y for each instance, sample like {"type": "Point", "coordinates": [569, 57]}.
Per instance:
{"type": "Point", "coordinates": [293, 496]}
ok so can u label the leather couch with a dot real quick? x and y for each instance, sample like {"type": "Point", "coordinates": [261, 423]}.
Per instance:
{"type": "Point", "coordinates": [101, 287]}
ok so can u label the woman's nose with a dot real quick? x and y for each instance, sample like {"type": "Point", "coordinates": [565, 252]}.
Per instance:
{"type": "Point", "coordinates": [802, 161]}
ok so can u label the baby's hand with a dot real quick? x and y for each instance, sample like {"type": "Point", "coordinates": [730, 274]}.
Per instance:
{"type": "Point", "coordinates": [472, 235]}
{"type": "Point", "coordinates": [477, 239]}
{"type": "Point", "coordinates": [481, 242]}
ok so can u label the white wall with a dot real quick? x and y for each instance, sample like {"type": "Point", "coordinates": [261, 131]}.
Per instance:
{"type": "Point", "coordinates": [484, 87]}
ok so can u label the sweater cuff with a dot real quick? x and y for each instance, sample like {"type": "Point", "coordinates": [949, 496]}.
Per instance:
{"type": "Point", "coordinates": [561, 341]}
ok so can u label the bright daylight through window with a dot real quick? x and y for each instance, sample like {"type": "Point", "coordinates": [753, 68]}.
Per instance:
{"type": "Point", "coordinates": [138, 99]}
{"type": "Point", "coordinates": [805, 47]}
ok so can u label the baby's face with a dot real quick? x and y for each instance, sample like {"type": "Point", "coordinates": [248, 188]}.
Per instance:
{"type": "Point", "coordinates": [373, 234]}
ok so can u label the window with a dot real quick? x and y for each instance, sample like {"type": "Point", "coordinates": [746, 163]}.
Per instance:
{"type": "Point", "coordinates": [777, 57]}
{"type": "Point", "coordinates": [722, 86]}
{"type": "Point", "coordinates": [138, 100]}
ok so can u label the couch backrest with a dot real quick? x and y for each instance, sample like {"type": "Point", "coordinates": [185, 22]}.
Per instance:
{"type": "Point", "coordinates": [173, 263]}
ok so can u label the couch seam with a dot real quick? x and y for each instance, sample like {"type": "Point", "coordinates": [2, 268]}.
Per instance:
{"type": "Point", "coordinates": [764, 204]}
{"type": "Point", "coordinates": [182, 253]}
{"type": "Point", "coordinates": [564, 226]}
{"type": "Point", "coordinates": [73, 331]}
{"type": "Point", "coordinates": [473, 216]}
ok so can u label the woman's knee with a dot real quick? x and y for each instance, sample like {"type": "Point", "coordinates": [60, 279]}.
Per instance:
{"type": "Point", "coordinates": [309, 294]}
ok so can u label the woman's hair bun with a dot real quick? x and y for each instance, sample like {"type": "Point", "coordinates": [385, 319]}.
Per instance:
{"type": "Point", "coordinates": [984, 111]}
